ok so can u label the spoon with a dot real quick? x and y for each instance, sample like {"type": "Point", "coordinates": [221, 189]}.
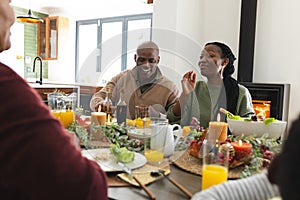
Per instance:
{"type": "Point", "coordinates": [157, 173]}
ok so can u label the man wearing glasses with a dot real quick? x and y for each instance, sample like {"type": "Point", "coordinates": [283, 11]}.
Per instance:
{"type": "Point", "coordinates": [142, 85]}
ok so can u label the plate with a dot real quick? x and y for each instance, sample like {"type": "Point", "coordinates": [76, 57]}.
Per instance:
{"type": "Point", "coordinates": [108, 164]}
{"type": "Point", "coordinates": [139, 133]}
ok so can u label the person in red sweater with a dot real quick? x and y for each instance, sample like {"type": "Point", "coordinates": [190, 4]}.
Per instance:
{"type": "Point", "coordinates": [38, 158]}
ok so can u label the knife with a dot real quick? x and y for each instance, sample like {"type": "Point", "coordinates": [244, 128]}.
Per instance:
{"type": "Point", "coordinates": [129, 172]}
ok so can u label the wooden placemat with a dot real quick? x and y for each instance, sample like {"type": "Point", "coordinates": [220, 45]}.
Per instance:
{"type": "Point", "coordinates": [114, 181]}
{"type": "Point", "coordinates": [194, 165]}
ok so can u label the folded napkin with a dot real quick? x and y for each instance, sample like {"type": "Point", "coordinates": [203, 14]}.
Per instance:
{"type": "Point", "coordinates": [143, 174]}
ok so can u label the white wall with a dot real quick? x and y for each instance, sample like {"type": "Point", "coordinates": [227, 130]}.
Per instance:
{"type": "Point", "coordinates": [277, 47]}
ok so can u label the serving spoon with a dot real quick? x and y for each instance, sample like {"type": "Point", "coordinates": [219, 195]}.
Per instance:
{"type": "Point", "coordinates": [157, 173]}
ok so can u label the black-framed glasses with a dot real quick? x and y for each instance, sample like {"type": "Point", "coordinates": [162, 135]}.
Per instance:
{"type": "Point", "coordinates": [144, 60]}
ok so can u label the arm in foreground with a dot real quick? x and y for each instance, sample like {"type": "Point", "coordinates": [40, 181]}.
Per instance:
{"type": "Point", "coordinates": [41, 160]}
{"type": "Point", "coordinates": [256, 187]}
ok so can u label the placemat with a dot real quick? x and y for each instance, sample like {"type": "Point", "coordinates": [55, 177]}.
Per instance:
{"type": "Point", "coordinates": [143, 174]}
{"type": "Point", "coordinates": [194, 165]}
{"type": "Point", "coordinates": [114, 181]}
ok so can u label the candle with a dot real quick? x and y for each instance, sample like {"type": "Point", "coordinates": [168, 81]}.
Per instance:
{"type": "Point", "coordinates": [218, 128]}
{"type": "Point", "coordinates": [242, 149]}
{"type": "Point", "coordinates": [98, 118]}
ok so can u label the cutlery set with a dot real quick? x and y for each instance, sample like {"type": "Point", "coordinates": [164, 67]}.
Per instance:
{"type": "Point", "coordinates": [154, 173]}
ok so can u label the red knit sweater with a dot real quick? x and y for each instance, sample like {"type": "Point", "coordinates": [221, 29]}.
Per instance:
{"type": "Point", "coordinates": [37, 158]}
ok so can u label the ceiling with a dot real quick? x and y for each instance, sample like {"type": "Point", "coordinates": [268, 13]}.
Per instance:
{"type": "Point", "coordinates": [79, 9]}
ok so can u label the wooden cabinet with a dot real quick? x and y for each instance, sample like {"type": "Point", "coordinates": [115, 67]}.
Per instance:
{"type": "Point", "coordinates": [50, 34]}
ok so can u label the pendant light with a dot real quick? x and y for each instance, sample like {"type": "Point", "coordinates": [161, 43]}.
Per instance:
{"type": "Point", "coordinates": [29, 18]}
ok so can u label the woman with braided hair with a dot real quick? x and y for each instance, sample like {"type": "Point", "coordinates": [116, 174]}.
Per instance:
{"type": "Point", "coordinates": [203, 99]}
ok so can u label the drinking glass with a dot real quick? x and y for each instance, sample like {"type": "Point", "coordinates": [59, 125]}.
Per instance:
{"type": "Point", "coordinates": [142, 116]}
{"type": "Point", "coordinates": [214, 163]}
{"type": "Point", "coordinates": [62, 107]}
{"type": "Point", "coordinates": [154, 152]}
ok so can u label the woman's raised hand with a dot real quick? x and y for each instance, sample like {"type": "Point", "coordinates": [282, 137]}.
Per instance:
{"type": "Point", "coordinates": [188, 82]}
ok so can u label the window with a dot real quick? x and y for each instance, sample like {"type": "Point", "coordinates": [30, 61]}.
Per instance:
{"type": "Point", "coordinates": [105, 47]}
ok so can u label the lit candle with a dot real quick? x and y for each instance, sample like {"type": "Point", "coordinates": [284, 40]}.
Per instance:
{"type": "Point", "coordinates": [242, 149]}
{"type": "Point", "coordinates": [98, 118]}
{"type": "Point", "coordinates": [218, 129]}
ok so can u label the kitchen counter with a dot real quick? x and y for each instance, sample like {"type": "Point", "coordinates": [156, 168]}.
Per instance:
{"type": "Point", "coordinates": [84, 92]}
{"type": "Point", "coordinates": [46, 85]}
{"type": "Point", "coordinates": [46, 88]}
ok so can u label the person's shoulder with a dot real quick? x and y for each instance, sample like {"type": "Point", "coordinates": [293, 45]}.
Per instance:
{"type": "Point", "coordinates": [123, 74]}
{"type": "Point", "coordinates": [127, 71]}
{"type": "Point", "coordinates": [242, 88]}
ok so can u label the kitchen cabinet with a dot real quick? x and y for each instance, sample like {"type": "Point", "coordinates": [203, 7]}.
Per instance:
{"type": "Point", "coordinates": [50, 34]}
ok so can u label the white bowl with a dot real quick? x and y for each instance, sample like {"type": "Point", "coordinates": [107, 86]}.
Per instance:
{"type": "Point", "coordinates": [256, 128]}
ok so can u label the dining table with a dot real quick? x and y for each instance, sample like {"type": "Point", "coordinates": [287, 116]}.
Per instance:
{"type": "Point", "coordinates": [162, 188]}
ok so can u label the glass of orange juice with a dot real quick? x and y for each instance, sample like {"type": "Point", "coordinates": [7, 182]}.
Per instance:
{"type": "Point", "coordinates": [215, 163]}
{"type": "Point", "coordinates": [154, 151]}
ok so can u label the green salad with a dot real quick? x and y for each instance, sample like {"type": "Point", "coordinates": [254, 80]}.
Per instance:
{"type": "Point", "coordinates": [267, 121]}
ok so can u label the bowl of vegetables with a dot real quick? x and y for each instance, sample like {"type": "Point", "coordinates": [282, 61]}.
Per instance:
{"type": "Point", "coordinates": [270, 127]}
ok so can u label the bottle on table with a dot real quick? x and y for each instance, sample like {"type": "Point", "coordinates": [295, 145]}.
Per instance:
{"type": "Point", "coordinates": [121, 111]}
{"type": "Point", "coordinates": [107, 107]}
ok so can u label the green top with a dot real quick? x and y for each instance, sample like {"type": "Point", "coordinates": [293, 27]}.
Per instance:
{"type": "Point", "coordinates": [199, 105]}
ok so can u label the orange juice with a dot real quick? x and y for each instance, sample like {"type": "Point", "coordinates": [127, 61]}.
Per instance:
{"type": "Point", "coordinates": [66, 117]}
{"type": "Point", "coordinates": [213, 175]}
{"type": "Point", "coordinates": [154, 156]}
{"type": "Point", "coordinates": [56, 113]}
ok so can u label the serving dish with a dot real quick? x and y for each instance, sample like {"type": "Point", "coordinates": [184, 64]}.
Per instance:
{"type": "Point", "coordinates": [108, 164]}
{"type": "Point", "coordinates": [256, 128]}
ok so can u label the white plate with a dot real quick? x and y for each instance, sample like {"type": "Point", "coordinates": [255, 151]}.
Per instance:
{"type": "Point", "coordinates": [110, 164]}
{"type": "Point", "coordinates": [139, 133]}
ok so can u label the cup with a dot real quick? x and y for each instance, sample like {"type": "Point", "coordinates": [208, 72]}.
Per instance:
{"type": "Point", "coordinates": [98, 118]}
{"type": "Point", "coordinates": [154, 149]}
{"type": "Point", "coordinates": [62, 108]}
{"type": "Point", "coordinates": [217, 130]}
{"type": "Point", "coordinates": [214, 163]}
{"type": "Point", "coordinates": [66, 117]}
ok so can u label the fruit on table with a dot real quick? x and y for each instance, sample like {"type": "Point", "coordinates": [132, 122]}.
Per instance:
{"type": "Point", "coordinates": [121, 154]}
{"type": "Point", "coordinates": [142, 123]}
{"type": "Point", "coordinates": [139, 122]}
{"type": "Point", "coordinates": [194, 148]}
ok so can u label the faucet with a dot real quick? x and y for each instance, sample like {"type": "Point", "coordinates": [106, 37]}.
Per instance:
{"type": "Point", "coordinates": [41, 69]}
